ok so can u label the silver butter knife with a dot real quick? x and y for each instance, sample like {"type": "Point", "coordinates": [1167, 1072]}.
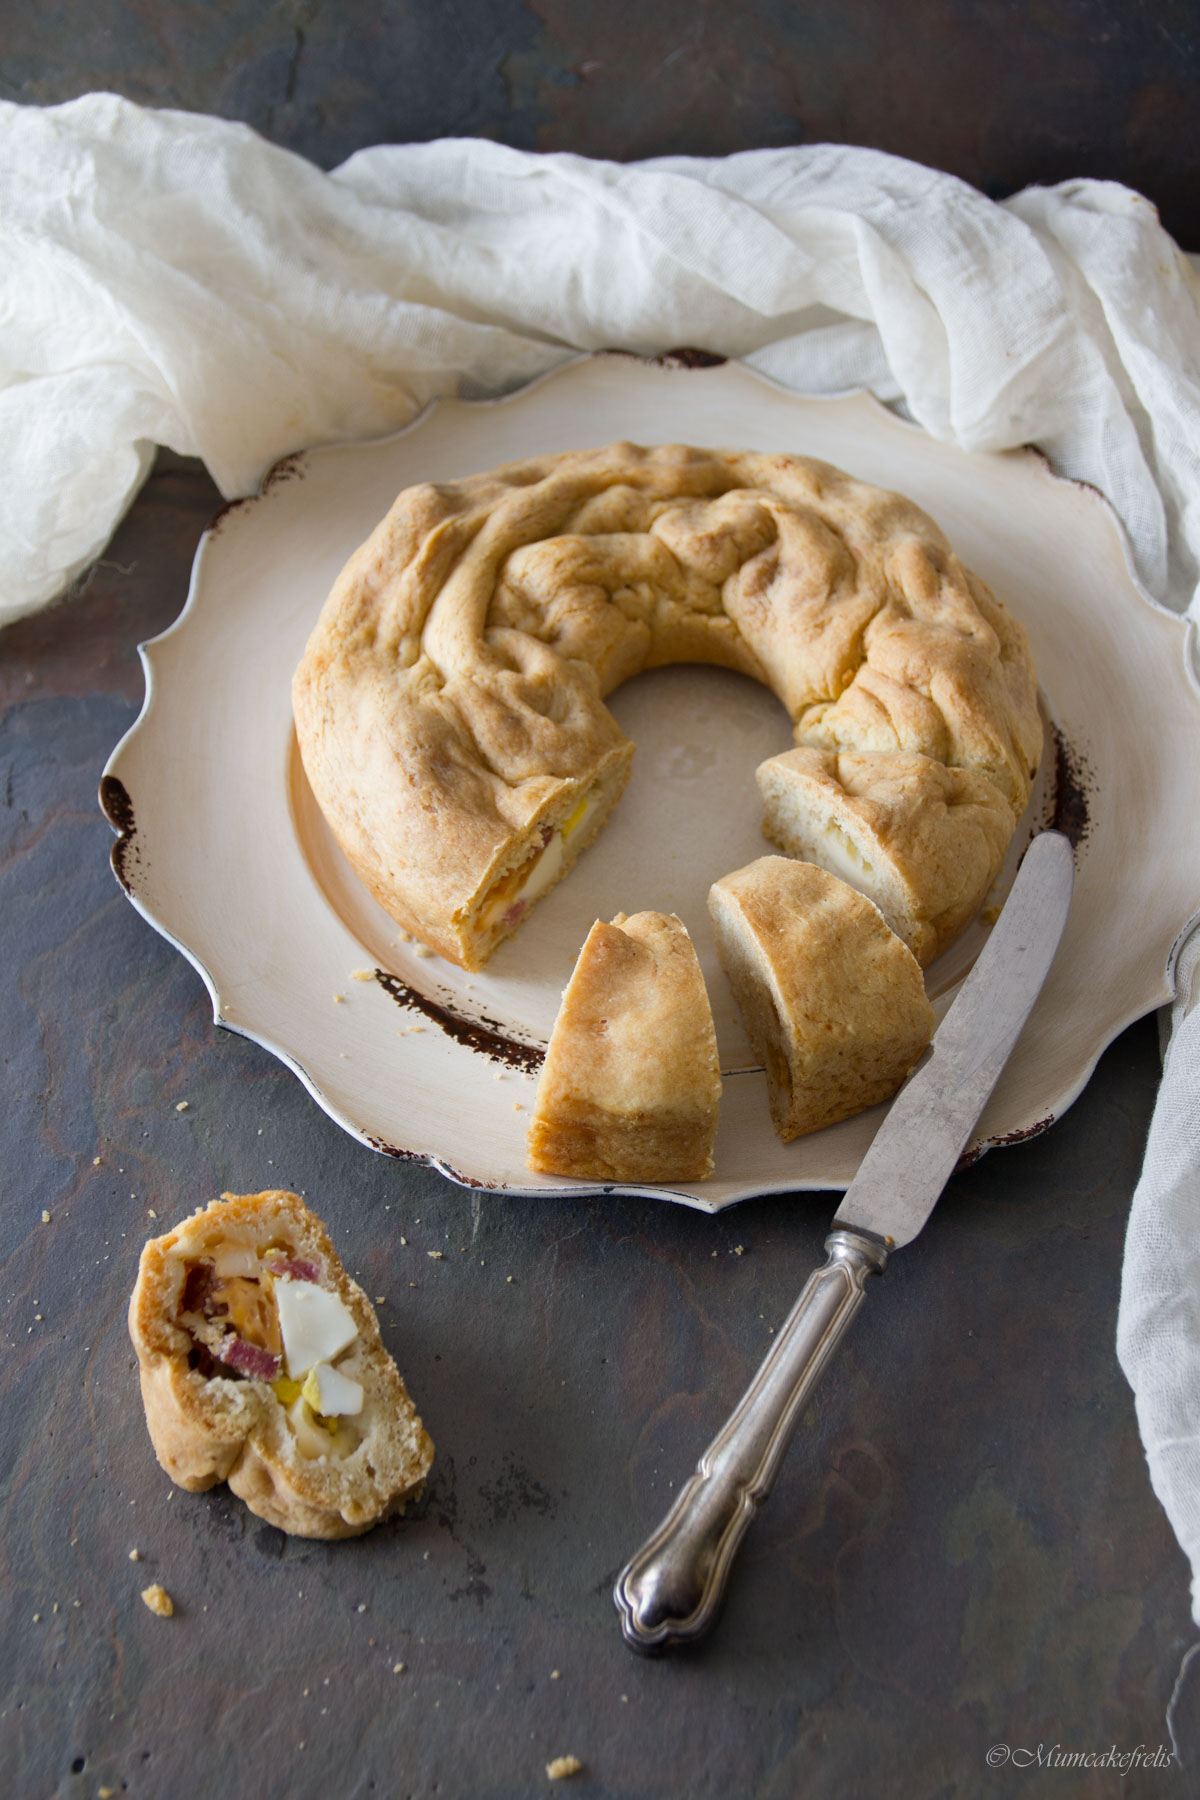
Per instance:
{"type": "Point", "coordinates": [670, 1591]}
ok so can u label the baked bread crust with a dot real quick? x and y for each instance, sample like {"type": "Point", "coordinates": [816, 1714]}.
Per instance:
{"type": "Point", "coordinates": [833, 1001]}
{"type": "Point", "coordinates": [450, 704]}
{"type": "Point", "coordinates": [222, 1426]}
{"type": "Point", "coordinates": [631, 1084]}
{"type": "Point", "coordinates": [923, 841]}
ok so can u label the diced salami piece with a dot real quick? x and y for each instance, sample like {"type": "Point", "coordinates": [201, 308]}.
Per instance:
{"type": "Point", "coordinates": [249, 1359]}
{"type": "Point", "coordinates": [298, 1268]}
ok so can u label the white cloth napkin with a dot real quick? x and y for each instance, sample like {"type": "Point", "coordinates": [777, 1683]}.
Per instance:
{"type": "Point", "coordinates": [172, 279]}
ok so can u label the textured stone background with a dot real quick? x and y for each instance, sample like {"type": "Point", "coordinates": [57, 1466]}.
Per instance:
{"type": "Point", "coordinates": [963, 1549]}
{"type": "Point", "coordinates": [1003, 94]}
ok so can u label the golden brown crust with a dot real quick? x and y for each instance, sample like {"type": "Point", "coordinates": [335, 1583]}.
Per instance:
{"type": "Point", "coordinates": [218, 1426]}
{"type": "Point", "coordinates": [833, 1001]}
{"type": "Point", "coordinates": [631, 1085]}
{"type": "Point", "coordinates": [923, 841]}
{"type": "Point", "coordinates": [449, 707]}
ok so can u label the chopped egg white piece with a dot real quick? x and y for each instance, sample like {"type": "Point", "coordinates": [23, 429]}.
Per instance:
{"type": "Point", "coordinates": [331, 1393]}
{"type": "Point", "coordinates": [545, 871]}
{"type": "Point", "coordinates": [544, 868]}
{"type": "Point", "coordinates": [235, 1259]}
{"type": "Point", "coordinates": [314, 1323]}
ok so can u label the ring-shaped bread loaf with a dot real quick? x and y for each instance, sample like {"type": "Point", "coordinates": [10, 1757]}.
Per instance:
{"type": "Point", "coordinates": [450, 704]}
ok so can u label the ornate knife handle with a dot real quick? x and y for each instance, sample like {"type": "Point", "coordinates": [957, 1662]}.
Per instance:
{"type": "Point", "coordinates": [670, 1591]}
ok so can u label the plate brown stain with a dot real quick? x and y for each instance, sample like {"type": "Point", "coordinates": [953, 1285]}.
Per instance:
{"type": "Point", "coordinates": [288, 468]}
{"type": "Point", "coordinates": [1021, 1135]}
{"type": "Point", "coordinates": [393, 1150]}
{"type": "Point", "coordinates": [486, 1036]}
{"type": "Point", "coordinates": [117, 808]}
{"type": "Point", "coordinates": [1072, 781]}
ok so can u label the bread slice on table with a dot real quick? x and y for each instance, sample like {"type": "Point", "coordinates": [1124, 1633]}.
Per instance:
{"type": "Point", "coordinates": [833, 1001]}
{"type": "Point", "coordinates": [262, 1365]}
{"type": "Point", "coordinates": [923, 841]}
{"type": "Point", "coordinates": [631, 1085]}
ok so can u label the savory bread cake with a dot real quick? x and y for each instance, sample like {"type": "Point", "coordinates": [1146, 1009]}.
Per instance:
{"type": "Point", "coordinates": [631, 1084]}
{"type": "Point", "coordinates": [262, 1365]}
{"type": "Point", "coordinates": [450, 704]}
{"type": "Point", "coordinates": [833, 1001]}
{"type": "Point", "coordinates": [923, 841]}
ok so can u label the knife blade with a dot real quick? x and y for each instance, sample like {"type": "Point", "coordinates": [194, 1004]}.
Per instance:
{"type": "Point", "coordinates": [670, 1591]}
{"type": "Point", "coordinates": [914, 1153]}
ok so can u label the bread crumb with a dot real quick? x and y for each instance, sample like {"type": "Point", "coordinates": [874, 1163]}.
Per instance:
{"type": "Point", "coordinates": [105, 1793]}
{"type": "Point", "coordinates": [739, 1249]}
{"type": "Point", "coordinates": [45, 1217]}
{"type": "Point", "coordinates": [381, 1299]}
{"type": "Point", "coordinates": [95, 1162]}
{"type": "Point", "coordinates": [422, 950]}
{"type": "Point", "coordinates": [554, 1675]}
{"type": "Point", "coordinates": [135, 1556]}
{"type": "Point", "coordinates": [339, 999]}
{"type": "Point", "coordinates": [517, 1106]}
{"type": "Point", "coordinates": [362, 974]}
{"type": "Point", "coordinates": [397, 1668]}
{"type": "Point", "coordinates": [436, 1255]}
{"type": "Point", "coordinates": [563, 1766]}
{"type": "Point", "coordinates": [158, 1600]}
{"type": "Point", "coordinates": [990, 914]}
{"type": "Point", "coordinates": [512, 1278]}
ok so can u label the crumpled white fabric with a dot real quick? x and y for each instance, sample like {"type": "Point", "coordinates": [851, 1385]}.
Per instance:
{"type": "Point", "coordinates": [1158, 1324]}
{"type": "Point", "coordinates": [172, 279]}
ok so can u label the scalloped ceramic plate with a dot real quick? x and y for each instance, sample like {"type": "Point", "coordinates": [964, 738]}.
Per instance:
{"type": "Point", "coordinates": [222, 848]}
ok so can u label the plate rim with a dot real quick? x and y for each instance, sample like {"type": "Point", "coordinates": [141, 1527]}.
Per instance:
{"type": "Point", "coordinates": [242, 513]}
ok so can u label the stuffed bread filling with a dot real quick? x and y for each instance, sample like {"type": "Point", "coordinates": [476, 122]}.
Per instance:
{"type": "Point", "coordinates": [509, 897]}
{"type": "Point", "coordinates": [263, 1315]}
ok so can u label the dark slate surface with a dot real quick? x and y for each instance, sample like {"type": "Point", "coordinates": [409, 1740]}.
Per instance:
{"type": "Point", "coordinates": [963, 1550]}
{"type": "Point", "coordinates": [1003, 94]}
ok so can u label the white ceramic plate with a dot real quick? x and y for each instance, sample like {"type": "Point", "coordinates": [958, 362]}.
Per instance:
{"type": "Point", "coordinates": [223, 849]}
